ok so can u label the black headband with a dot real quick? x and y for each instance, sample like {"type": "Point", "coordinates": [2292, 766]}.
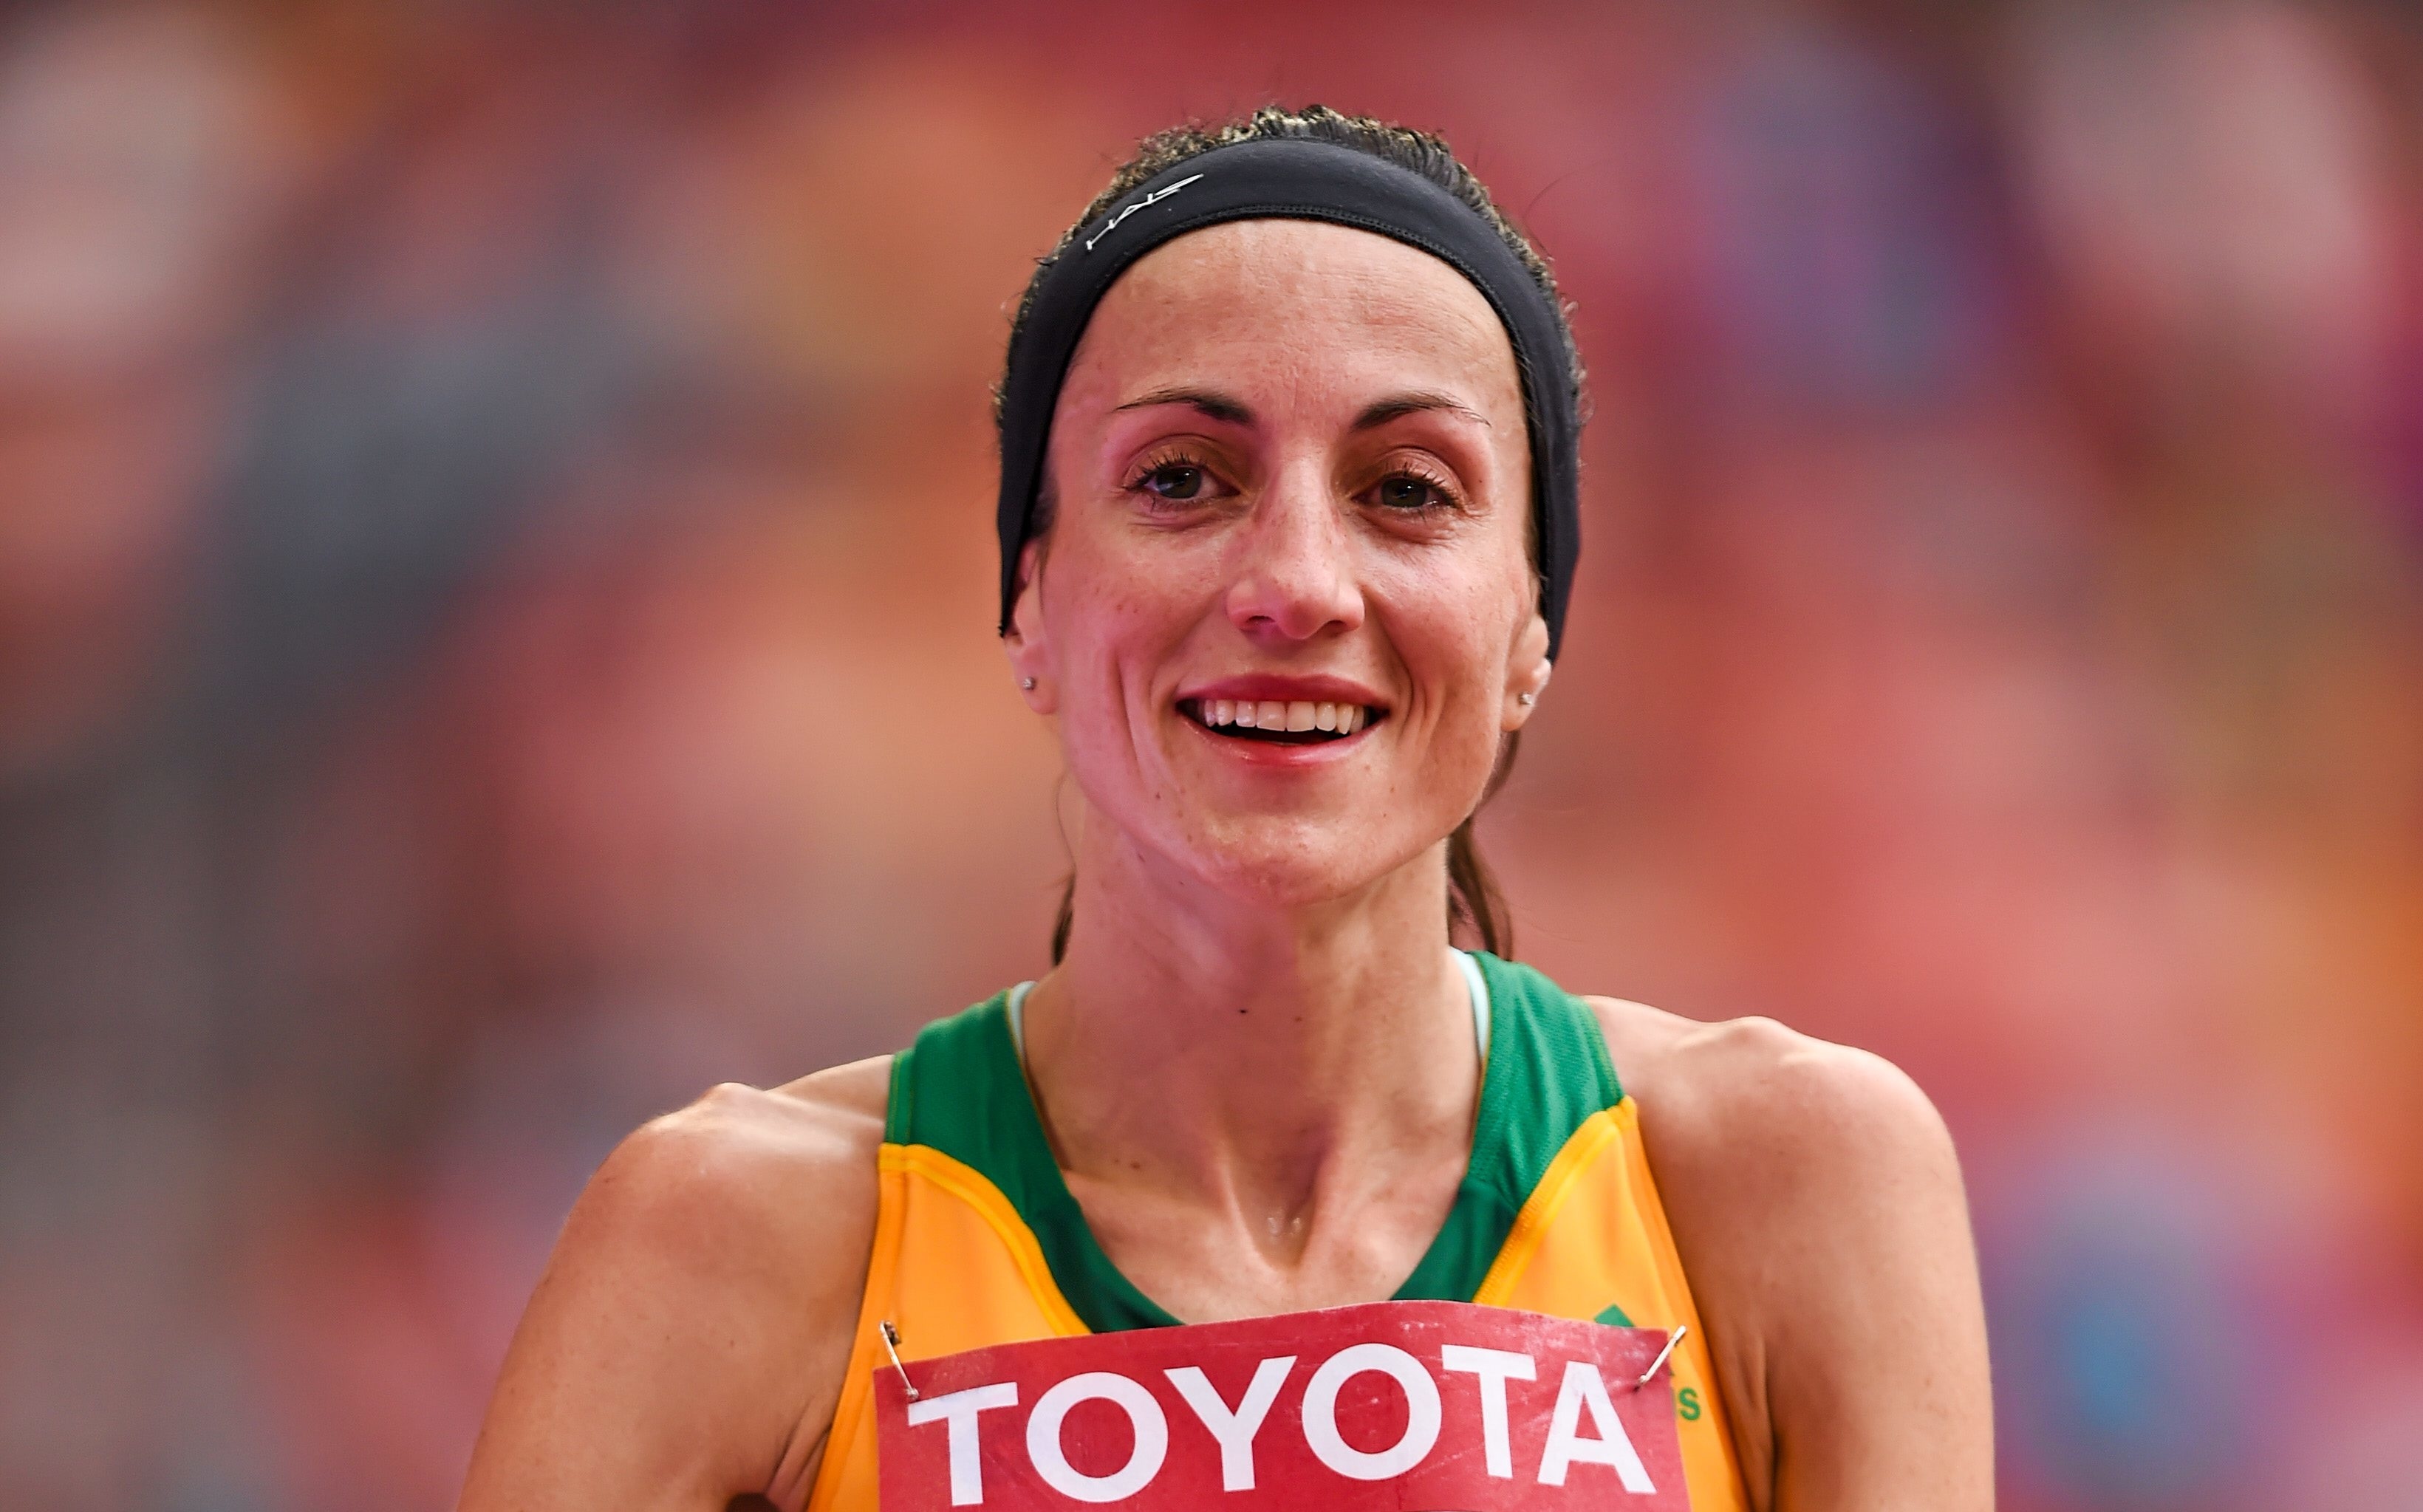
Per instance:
{"type": "Point", "coordinates": [1295, 178]}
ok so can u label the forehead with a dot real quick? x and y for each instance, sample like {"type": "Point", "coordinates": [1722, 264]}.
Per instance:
{"type": "Point", "coordinates": [1288, 300]}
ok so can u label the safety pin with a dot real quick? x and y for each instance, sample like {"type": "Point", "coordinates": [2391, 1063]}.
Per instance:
{"type": "Point", "coordinates": [1672, 1340]}
{"type": "Point", "coordinates": [891, 1347]}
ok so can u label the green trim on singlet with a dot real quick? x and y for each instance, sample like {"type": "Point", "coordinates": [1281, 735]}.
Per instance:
{"type": "Point", "coordinates": [1548, 1071]}
{"type": "Point", "coordinates": [959, 1090]}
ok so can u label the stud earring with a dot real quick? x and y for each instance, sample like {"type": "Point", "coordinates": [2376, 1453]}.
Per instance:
{"type": "Point", "coordinates": [1527, 699]}
{"type": "Point", "coordinates": [1027, 682]}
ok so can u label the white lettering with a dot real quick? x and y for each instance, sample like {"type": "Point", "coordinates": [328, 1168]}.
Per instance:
{"type": "Point", "coordinates": [1153, 198]}
{"type": "Point", "coordinates": [1494, 1367]}
{"type": "Point", "coordinates": [959, 1410]}
{"type": "Point", "coordinates": [1144, 1414]}
{"type": "Point", "coordinates": [1234, 1430]}
{"type": "Point", "coordinates": [1613, 1446]}
{"type": "Point", "coordinates": [1321, 1412]}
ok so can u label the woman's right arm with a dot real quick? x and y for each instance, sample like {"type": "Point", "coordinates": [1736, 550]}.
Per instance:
{"type": "Point", "coordinates": [688, 1340]}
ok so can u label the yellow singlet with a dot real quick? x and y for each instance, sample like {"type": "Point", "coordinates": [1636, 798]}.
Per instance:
{"type": "Point", "coordinates": [977, 1240]}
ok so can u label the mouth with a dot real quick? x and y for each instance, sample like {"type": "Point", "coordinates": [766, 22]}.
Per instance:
{"type": "Point", "coordinates": [1274, 722]}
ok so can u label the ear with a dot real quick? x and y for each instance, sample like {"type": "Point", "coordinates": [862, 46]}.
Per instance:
{"type": "Point", "coordinates": [1030, 655]}
{"type": "Point", "coordinates": [1527, 672]}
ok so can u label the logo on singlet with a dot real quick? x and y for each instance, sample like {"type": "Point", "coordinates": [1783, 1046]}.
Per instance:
{"type": "Point", "coordinates": [1687, 1400]}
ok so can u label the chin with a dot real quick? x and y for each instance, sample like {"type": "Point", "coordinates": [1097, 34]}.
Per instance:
{"type": "Point", "coordinates": [1294, 862]}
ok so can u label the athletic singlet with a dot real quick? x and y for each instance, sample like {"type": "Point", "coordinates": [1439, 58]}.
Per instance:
{"type": "Point", "coordinates": [978, 1241]}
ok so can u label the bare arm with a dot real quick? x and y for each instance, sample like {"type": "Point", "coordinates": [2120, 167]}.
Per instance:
{"type": "Point", "coordinates": [1817, 1201]}
{"type": "Point", "coordinates": [688, 1337]}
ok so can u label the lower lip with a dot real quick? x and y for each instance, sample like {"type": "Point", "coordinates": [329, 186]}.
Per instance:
{"type": "Point", "coordinates": [1273, 753]}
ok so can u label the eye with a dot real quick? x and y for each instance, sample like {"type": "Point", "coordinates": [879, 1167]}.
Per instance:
{"type": "Point", "coordinates": [1412, 491]}
{"type": "Point", "coordinates": [1177, 481]}
{"type": "Point", "coordinates": [1176, 475]}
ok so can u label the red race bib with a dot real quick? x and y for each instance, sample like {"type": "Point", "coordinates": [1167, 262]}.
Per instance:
{"type": "Point", "coordinates": [1413, 1407]}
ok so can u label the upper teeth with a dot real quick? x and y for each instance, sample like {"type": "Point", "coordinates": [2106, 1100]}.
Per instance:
{"type": "Point", "coordinates": [1270, 714]}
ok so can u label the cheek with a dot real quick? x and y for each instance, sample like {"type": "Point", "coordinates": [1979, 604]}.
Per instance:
{"type": "Point", "coordinates": [1453, 629]}
{"type": "Point", "coordinates": [1113, 611]}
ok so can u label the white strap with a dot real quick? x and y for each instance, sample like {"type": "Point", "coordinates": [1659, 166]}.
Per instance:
{"type": "Point", "coordinates": [1018, 1019]}
{"type": "Point", "coordinates": [1476, 987]}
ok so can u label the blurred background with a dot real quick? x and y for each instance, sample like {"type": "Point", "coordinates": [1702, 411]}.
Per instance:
{"type": "Point", "coordinates": [496, 635]}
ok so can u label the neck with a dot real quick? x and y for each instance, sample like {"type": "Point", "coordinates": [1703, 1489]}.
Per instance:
{"type": "Point", "coordinates": [1237, 1054]}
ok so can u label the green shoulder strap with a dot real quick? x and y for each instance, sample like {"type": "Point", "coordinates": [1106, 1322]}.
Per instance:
{"type": "Point", "coordinates": [1548, 1072]}
{"type": "Point", "coordinates": [959, 1090]}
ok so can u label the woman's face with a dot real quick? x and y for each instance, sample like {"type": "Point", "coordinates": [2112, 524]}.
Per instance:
{"type": "Point", "coordinates": [1286, 605]}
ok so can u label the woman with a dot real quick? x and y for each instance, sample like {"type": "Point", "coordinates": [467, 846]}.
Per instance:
{"type": "Point", "coordinates": [1288, 523]}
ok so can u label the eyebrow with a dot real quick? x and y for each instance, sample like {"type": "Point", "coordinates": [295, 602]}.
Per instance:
{"type": "Point", "coordinates": [1208, 403]}
{"type": "Point", "coordinates": [1397, 406]}
{"type": "Point", "coordinates": [1213, 404]}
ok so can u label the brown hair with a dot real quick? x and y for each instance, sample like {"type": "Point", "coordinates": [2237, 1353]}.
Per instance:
{"type": "Point", "coordinates": [1475, 901]}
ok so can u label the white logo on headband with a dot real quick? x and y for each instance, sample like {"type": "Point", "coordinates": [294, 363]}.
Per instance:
{"type": "Point", "coordinates": [1158, 194]}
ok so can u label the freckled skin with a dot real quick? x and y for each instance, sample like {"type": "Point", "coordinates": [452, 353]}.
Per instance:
{"type": "Point", "coordinates": [1255, 1063]}
{"type": "Point", "coordinates": [1253, 904]}
{"type": "Point", "coordinates": [1308, 323]}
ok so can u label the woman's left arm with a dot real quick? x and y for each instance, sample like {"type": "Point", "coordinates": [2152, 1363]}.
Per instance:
{"type": "Point", "coordinates": [1817, 1205]}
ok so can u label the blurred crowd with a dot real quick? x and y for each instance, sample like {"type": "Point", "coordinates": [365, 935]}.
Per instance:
{"type": "Point", "coordinates": [496, 635]}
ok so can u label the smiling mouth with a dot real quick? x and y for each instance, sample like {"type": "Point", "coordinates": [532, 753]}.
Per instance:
{"type": "Point", "coordinates": [1295, 723]}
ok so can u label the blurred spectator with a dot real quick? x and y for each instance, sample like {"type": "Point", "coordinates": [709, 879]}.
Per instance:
{"type": "Point", "coordinates": [494, 637]}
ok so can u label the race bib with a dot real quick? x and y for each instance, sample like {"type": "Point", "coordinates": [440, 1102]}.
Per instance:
{"type": "Point", "coordinates": [1413, 1407]}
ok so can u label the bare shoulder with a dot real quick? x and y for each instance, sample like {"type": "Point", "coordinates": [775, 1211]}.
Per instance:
{"type": "Point", "coordinates": [744, 1171]}
{"type": "Point", "coordinates": [1816, 1204]}
{"type": "Point", "coordinates": [819, 1128]}
{"type": "Point", "coordinates": [1754, 1090]}
{"type": "Point", "coordinates": [1765, 1141]}
{"type": "Point", "coordinates": [693, 1324]}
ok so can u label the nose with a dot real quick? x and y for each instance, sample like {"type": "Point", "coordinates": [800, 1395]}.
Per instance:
{"type": "Point", "coordinates": [1294, 569]}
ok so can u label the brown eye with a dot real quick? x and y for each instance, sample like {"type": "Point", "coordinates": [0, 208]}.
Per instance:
{"type": "Point", "coordinates": [1404, 491]}
{"type": "Point", "coordinates": [1177, 481]}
